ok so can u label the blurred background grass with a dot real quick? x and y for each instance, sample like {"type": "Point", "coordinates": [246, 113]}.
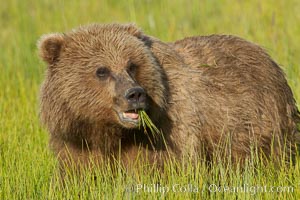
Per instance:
{"type": "Point", "coordinates": [26, 163]}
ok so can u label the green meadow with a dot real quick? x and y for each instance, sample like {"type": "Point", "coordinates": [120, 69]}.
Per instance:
{"type": "Point", "coordinates": [28, 169]}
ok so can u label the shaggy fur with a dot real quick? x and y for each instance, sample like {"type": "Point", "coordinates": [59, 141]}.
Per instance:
{"type": "Point", "coordinates": [209, 95]}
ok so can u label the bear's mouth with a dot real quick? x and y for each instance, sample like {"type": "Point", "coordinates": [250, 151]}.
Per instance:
{"type": "Point", "coordinates": [131, 116]}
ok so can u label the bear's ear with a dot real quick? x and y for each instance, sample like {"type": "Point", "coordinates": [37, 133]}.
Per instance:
{"type": "Point", "coordinates": [132, 29]}
{"type": "Point", "coordinates": [50, 47]}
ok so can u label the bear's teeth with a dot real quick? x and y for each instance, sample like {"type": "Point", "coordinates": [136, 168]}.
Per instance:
{"type": "Point", "coordinates": [131, 115]}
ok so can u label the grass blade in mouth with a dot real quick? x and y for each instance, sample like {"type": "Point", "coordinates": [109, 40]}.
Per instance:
{"type": "Point", "coordinates": [146, 122]}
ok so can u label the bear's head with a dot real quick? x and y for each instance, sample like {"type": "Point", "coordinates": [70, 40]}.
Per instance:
{"type": "Point", "coordinates": [99, 73]}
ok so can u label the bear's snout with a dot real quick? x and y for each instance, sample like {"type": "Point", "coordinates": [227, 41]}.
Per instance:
{"type": "Point", "coordinates": [135, 96]}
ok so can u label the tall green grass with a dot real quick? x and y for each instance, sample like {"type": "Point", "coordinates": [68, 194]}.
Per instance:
{"type": "Point", "coordinates": [28, 169]}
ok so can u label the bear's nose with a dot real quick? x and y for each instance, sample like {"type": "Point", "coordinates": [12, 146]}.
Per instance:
{"type": "Point", "coordinates": [135, 95]}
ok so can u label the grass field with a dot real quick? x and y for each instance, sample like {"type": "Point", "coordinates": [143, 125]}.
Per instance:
{"type": "Point", "coordinates": [28, 168]}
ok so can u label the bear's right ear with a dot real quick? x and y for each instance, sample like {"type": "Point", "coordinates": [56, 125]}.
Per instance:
{"type": "Point", "coordinates": [133, 30]}
{"type": "Point", "coordinates": [50, 46]}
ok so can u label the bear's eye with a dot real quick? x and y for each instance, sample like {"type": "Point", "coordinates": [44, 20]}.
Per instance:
{"type": "Point", "coordinates": [131, 68]}
{"type": "Point", "coordinates": [102, 72]}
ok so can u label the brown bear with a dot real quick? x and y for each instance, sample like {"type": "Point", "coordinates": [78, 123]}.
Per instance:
{"type": "Point", "coordinates": [200, 92]}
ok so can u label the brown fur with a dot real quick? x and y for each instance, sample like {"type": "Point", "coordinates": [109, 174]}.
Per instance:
{"type": "Point", "coordinates": [201, 92]}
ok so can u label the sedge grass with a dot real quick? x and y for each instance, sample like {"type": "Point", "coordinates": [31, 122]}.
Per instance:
{"type": "Point", "coordinates": [145, 122]}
